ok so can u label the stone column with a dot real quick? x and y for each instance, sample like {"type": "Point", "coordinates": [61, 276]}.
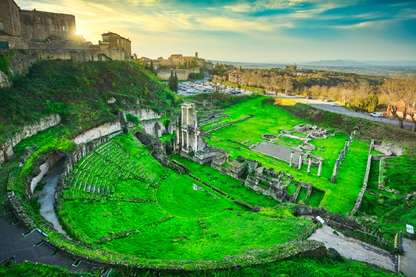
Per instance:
{"type": "Point", "coordinates": [196, 120]}
{"type": "Point", "coordinates": [300, 161]}
{"type": "Point", "coordinates": [309, 164]}
{"type": "Point", "coordinates": [291, 159]}
{"type": "Point", "coordinates": [196, 143]}
{"type": "Point", "coordinates": [187, 115]}
{"type": "Point", "coordinates": [319, 169]}
{"type": "Point", "coordinates": [334, 174]}
{"type": "Point", "coordinates": [187, 140]}
{"type": "Point", "coordinates": [182, 115]}
{"type": "Point", "coordinates": [177, 136]}
{"type": "Point", "coordinates": [182, 139]}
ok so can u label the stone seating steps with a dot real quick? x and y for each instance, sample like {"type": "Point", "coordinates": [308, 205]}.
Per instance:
{"type": "Point", "coordinates": [100, 169]}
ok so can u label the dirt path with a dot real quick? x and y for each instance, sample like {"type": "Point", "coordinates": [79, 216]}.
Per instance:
{"type": "Point", "coordinates": [354, 249]}
{"type": "Point", "coordinates": [408, 260]}
{"type": "Point", "coordinates": [47, 196]}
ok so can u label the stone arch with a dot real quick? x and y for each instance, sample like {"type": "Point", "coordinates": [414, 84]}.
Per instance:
{"type": "Point", "coordinates": [143, 138]}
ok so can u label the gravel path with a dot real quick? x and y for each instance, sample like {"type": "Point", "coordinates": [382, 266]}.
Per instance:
{"type": "Point", "coordinates": [354, 249]}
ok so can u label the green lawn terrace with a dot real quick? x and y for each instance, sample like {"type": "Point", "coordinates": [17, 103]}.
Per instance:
{"type": "Point", "coordinates": [339, 197]}
{"type": "Point", "coordinates": [151, 212]}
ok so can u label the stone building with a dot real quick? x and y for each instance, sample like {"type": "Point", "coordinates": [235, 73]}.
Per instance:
{"type": "Point", "coordinates": [54, 35]}
{"type": "Point", "coordinates": [9, 18]}
{"type": "Point", "coordinates": [291, 67]}
{"type": "Point", "coordinates": [20, 27]}
{"type": "Point", "coordinates": [235, 76]}
{"type": "Point", "coordinates": [181, 58]}
{"type": "Point", "coordinates": [115, 47]}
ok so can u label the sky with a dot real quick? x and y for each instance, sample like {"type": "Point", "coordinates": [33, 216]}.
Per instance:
{"type": "Point", "coordinates": [263, 31]}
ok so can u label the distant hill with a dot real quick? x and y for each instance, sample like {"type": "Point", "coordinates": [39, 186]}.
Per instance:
{"type": "Point", "coordinates": [337, 63]}
{"type": "Point", "coordinates": [251, 65]}
{"type": "Point", "coordinates": [355, 63]}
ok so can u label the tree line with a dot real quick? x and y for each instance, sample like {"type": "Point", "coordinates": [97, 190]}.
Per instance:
{"type": "Point", "coordinates": [360, 92]}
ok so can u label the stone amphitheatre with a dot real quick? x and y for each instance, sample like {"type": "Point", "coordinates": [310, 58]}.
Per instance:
{"type": "Point", "coordinates": [148, 187]}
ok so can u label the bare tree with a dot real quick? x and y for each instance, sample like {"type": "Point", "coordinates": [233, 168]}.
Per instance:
{"type": "Point", "coordinates": [411, 100]}
{"type": "Point", "coordinates": [347, 94]}
{"type": "Point", "coordinates": [394, 91]}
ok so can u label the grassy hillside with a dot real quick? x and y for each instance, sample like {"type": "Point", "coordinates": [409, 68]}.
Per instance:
{"type": "Point", "coordinates": [79, 92]}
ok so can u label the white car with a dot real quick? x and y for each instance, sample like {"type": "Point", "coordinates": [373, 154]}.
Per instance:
{"type": "Point", "coordinates": [336, 105]}
{"type": "Point", "coordinates": [376, 114]}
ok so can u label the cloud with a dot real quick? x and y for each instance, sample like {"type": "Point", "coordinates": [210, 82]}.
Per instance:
{"type": "Point", "coordinates": [357, 25]}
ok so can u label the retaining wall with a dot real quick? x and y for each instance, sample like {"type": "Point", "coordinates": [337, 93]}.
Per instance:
{"type": "Point", "coordinates": [6, 150]}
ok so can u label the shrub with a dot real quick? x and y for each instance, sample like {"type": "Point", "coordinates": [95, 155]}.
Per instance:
{"type": "Point", "coordinates": [133, 119]}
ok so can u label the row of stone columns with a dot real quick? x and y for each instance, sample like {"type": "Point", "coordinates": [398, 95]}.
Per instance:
{"type": "Point", "coordinates": [309, 164]}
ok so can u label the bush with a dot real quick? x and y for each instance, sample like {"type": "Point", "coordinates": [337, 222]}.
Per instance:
{"type": "Point", "coordinates": [133, 119]}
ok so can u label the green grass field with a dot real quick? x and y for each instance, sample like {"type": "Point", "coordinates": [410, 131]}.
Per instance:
{"type": "Point", "coordinates": [268, 119]}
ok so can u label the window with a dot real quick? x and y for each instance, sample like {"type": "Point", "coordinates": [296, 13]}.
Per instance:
{"type": "Point", "coordinates": [1, 25]}
{"type": "Point", "coordinates": [64, 28]}
{"type": "Point", "coordinates": [38, 25]}
{"type": "Point", "coordinates": [118, 41]}
{"type": "Point", "coordinates": [122, 41]}
{"type": "Point", "coordinates": [53, 27]}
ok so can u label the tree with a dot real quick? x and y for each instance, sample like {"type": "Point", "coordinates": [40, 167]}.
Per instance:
{"type": "Point", "coordinates": [165, 123]}
{"type": "Point", "coordinates": [152, 69]}
{"type": "Point", "coordinates": [347, 93]}
{"type": "Point", "coordinates": [176, 82]}
{"type": "Point", "coordinates": [411, 96]}
{"type": "Point", "coordinates": [394, 91]}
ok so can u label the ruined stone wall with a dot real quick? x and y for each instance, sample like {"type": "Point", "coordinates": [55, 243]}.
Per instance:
{"type": "Point", "coordinates": [27, 131]}
{"type": "Point", "coordinates": [144, 113]}
{"type": "Point", "coordinates": [97, 132]}
{"type": "Point", "coordinates": [21, 61]}
{"type": "Point", "coordinates": [389, 149]}
{"type": "Point", "coordinates": [4, 81]}
{"type": "Point", "coordinates": [153, 127]}
{"type": "Point", "coordinates": [364, 188]}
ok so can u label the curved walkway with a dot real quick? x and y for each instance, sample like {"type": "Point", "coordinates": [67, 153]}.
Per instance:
{"type": "Point", "coordinates": [354, 249]}
{"type": "Point", "coordinates": [408, 260]}
{"type": "Point", "coordinates": [13, 243]}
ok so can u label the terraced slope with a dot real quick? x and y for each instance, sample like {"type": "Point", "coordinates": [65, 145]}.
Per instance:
{"type": "Point", "coordinates": [119, 198]}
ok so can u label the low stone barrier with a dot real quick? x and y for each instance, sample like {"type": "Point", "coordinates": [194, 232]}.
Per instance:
{"type": "Point", "coordinates": [364, 188]}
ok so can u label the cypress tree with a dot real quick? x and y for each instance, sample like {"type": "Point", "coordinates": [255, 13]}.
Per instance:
{"type": "Point", "coordinates": [152, 69]}
{"type": "Point", "coordinates": [171, 81]}
{"type": "Point", "coordinates": [176, 82]}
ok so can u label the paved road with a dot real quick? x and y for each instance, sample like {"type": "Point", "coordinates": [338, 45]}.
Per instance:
{"type": "Point", "coordinates": [206, 74]}
{"type": "Point", "coordinates": [327, 106]}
